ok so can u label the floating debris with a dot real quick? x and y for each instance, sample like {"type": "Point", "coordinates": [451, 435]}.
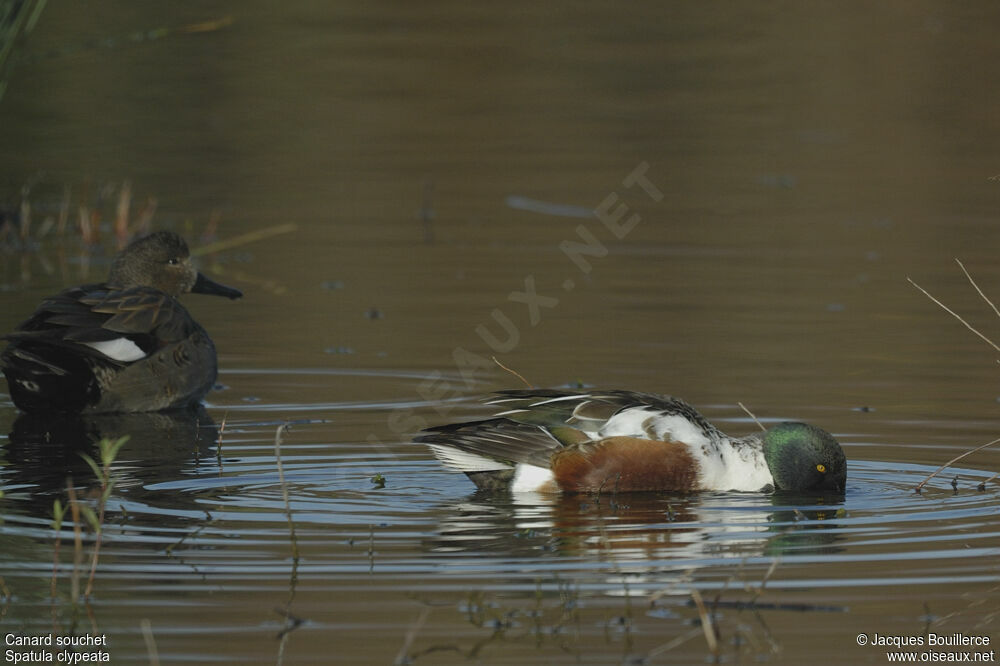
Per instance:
{"type": "Point", "coordinates": [340, 350]}
{"type": "Point", "coordinates": [545, 208]}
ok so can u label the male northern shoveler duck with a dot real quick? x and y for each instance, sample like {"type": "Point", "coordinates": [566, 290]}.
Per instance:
{"type": "Point", "coordinates": [622, 441]}
{"type": "Point", "coordinates": [125, 345]}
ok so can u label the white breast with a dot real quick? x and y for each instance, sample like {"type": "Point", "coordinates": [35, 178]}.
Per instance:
{"type": "Point", "coordinates": [726, 466]}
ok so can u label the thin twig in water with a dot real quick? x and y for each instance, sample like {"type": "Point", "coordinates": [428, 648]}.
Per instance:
{"type": "Point", "coordinates": [791, 608]}
{"type": "Point", "coordinates": [954, 314]}
{"type": "Point", "coordinates": [513, 372]}
{"type": "Point", "coordinates": [147, 637]}
{"type": "Point", "coordinates": [58, 513]}
{"type": "Point", "coordinates": [6, 596]}
{"type": "Point", "coordinates": [988, 341]}
{"type": "Point", "coordinates": [982, 485]}
{"type": "Point", "coordinates": [763, 581]}
{"type": "Point", "coordinates": [218, 443]}
{"type": "Point", "coordinates": [954, 460]}
{"type": "Point", "coordinates": [743, 407]}
{"type": "Point", "coordinates": [706, 622]}
{"type": "Point", "coordinates": [976, 287]}
{"type": "Point", "coordinates": [284, 489]}
{"type": "Point", "coordinates": [291, 621]}
{"type": "Point", "coordinates": [411, 635]}
{"type": "Point", "coordinates": [74, 508]}
{"type": "Point", "coordinates": [670, 645]}
{"type": "Point", "coordinates": [122, 214]}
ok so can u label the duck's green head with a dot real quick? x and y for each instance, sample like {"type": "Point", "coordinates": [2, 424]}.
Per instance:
{"type": "Point", "coordinates": [804, 457]}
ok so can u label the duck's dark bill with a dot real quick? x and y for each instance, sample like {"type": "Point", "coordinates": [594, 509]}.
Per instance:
{"type": "Point", "coordinates": [834, 483]}
{"type": "Point", "coordinates": [204, 285]}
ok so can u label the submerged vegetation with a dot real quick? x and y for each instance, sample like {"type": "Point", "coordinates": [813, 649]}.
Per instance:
{"type": "Point", "coordinates": [83, 514]}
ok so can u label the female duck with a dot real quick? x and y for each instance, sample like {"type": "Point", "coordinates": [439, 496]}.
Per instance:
{"type": "Point", "coordinates": [622, 441]}
{"type": "Point", "coordinates": [125, 345]}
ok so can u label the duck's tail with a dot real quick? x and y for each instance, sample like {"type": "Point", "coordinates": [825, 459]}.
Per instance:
{"type": "Point", "coordinates": [490, 452]}
{"type": "Point", "coordinates": [44, 377]}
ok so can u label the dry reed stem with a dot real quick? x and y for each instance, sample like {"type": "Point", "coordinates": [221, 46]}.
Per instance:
{"type": "Point", "coordinates": [86, 233]}
{"type": "Point", "coordinates": [763, 581]}
{"type": "Point", "coordinates": [976, 286]}
{"type": "Point", "coordinates": [513, 372]}
{"type": "Point", "coordinates": [147, 638]}
{"type": "Point", "coordinates": [411, 635]}
{"type": "Point", "coordinates": [122, 214]}
{"type": "Point", "coordinates": [25, 219]}
{"type": "Point", "coordinates": [670, 645]}
{"type": "Point", "coordinates": [292, 622]}
{"type": "Point", "coordinates": [63, 211]}
{"type": "Point", "coordinates": [706, 622]}
{"type": "Point", "coordinates": [218, 444]}
{"type": "Point", "coordinates": [986, 339]}
{"type": "Point", "coordinates": [77, 542]}
{"type": "Point", "coordinates": [954, 314]}
{"type": "Point", "coordinates": [243, 239]}
{"type": "Point", "coordinates": [743, 407]}
{"type": "Point", "coordinates": [144, 221]}
{"type": "Point", "coordinates": [284, 489]}
{"type": "Point", "coordinates": [207, 26]}
{"type": "Point", "coordinates": [954, 460]}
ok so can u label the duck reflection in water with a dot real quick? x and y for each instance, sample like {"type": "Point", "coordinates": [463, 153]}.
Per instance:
{"type": "Point", "coordinates": [44, 450]}
{"type": "Point", "coordinates": [653, 532]}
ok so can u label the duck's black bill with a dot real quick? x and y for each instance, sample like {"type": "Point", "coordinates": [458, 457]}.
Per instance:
{"type": "Point", "coordinates": [834, 484]}
{"type": "Point", "coordinates": [204, 285]}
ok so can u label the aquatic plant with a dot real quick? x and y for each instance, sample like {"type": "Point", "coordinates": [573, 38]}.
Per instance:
{"type": "Point", "coordinates": [108, 452]}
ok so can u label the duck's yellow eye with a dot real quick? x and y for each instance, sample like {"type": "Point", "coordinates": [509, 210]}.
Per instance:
{"type": "Point", "coordinates": [821, 468]}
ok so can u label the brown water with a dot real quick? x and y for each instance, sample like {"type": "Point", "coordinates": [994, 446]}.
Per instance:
{"type": "Point", "coordinates": [800, 161]}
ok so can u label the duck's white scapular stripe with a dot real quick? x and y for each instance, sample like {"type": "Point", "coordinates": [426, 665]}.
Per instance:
{"type": "Point", "coordinates": [463, 461]}
{"type": "Point", "coordinates": [119, 349]}
{"type": "Point", "coordinates": [529, 478]}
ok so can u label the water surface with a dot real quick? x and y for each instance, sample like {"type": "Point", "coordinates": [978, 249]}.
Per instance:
{"type": "Point", "coordinates": [799, 163]}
